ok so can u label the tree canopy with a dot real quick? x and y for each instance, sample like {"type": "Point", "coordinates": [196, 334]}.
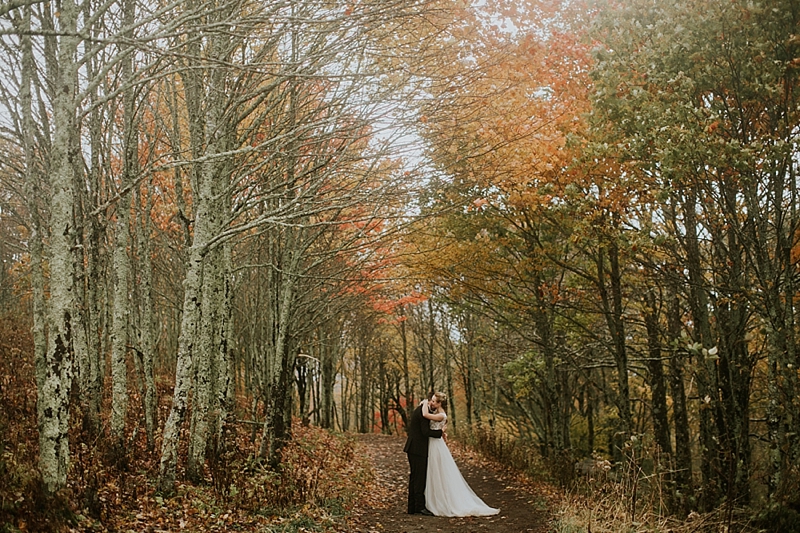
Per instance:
{"type": "Point", "coordinates": [579, 220]}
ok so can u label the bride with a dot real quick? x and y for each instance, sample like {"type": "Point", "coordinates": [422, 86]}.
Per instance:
{"type": "Point", "coordinates": [446, 491]}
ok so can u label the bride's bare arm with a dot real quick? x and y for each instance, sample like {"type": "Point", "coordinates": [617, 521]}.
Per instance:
{"type": "Point", "coordinates": [431, 416]}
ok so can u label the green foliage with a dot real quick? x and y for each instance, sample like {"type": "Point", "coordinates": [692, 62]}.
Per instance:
{"type": "Point", "coordinates": [778, 519]}
{"type": "Point", "coordinates": [606, 424]}
{"type": "Point", "coordinates": [695, 111]}
{"type": "Point", "coordinates": [525, 373]}
{"type": "Point", "coordinates": [685, 87]}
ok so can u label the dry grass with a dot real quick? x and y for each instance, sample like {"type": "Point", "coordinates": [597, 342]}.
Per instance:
{"type": "Point", "coordinates": [610, 513]}
{"type": "Point", "coordinates": [633, 500]}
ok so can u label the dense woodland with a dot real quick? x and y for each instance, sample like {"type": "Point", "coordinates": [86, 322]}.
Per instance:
{"type": "Point", "coordinates": [579, 220]}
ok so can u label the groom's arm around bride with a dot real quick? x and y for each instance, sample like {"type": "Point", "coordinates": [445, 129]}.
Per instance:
{"type": "Point", "coordinates": [419, 430]}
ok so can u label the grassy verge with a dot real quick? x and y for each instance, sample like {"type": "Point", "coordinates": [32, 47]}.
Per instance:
{"type": "Point", "coordinates": [633, 497]}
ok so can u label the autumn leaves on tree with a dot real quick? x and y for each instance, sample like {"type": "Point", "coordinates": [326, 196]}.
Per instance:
{"type": "Point", "coordinates": [176, 154]}
{"type": "Point", "coordinates": [615, 193]}
{"type": "Point", "coordinates": [579, 220]}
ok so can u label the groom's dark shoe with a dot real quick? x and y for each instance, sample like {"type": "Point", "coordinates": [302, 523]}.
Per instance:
{"type": "Point", "coordinates": [424, 512]}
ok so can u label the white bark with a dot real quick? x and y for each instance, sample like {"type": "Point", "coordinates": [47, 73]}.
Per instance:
{"type": "Point", "coordinates": [122, 267]}
{"type": "Point", "coordinates": [274, 431]}
{"type": "Point", "coordinates": [32, 196]}
{"type": "Point", "coordinates": [92, 377]}
{"type": "Point", "coordinates": [223, 362]}
{"type": "Point", "coordinates": [119, 330]}
{"type": "Point", "coordinates": [53, 441]}
{"type": "Point", "coordinates": [207, 333]}
{"type": "Point", "coordinates": [186, 346]}
{"type": "Point", "coordinates": [205, 229]}
{"type": "Point", "coordinates": [147, 334]}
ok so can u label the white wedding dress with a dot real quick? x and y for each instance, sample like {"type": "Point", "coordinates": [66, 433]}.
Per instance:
{"type": "Point", "coordinates": [446, 491]}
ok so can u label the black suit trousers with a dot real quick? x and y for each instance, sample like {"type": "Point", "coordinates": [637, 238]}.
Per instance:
{"type": "Point", "coordinates": [416, 482]}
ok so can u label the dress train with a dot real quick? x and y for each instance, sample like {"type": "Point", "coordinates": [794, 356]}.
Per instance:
{"type": "Point", "coordinates": [447, 493]}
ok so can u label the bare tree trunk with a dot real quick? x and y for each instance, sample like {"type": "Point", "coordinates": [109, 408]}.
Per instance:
{"type": "Point", "coordinates": [213, 305]}
{"type": "Point", "coordinates": [80, 314]}
{"type": "Point", "coordinates": [330, 335]}
{"type": "Point", "coordinates": [183, 373]}
{"type": "Point", "coordinates": [222, 364]}
{"type": "Point", "coordinates": [207, 344]}
{"type": "Point", "coordinates": [119, 332]}
{"type": "Point", "coordinates": [469, 368]}
{"type": "Point", "coordinates": [276, 430]}
{"type": "Point", "coordinates": [768, 237]}
{"type": "Point", "coordinates": [383, 392]}
{"type": "Point", "coordinates": [303, 385]}
{"type": "Point", "coordinates": [345, 418]}
{"type": "Point", "coordinates": [193, 289]}
{"type": "Point", "coordinates": [448, 376]}
{"type": "Point", "coordinates": [680, 412]}
{"type": "Point", "coordinates": [203, 189]}
{"type": "Point", "coordinates": [365, 384]}
{"type": "Point", "coordinates": [147, 333]}
{"type": "Point", "coordinates": [706, 376]}
{"type": "Point", "coordinates": [790, 288]}
{"type": "Point", "coordinates": [122, 267]}
{"type": "Point", "coordinates": [209, 134]}
{"type": "Point", "coordinates": [92, 377]}
{"type": "Point", "coordinates": [409, 394]}
{"type": "Point", "coordinates": [612, 309]}
{"type": "Point", "coordinates": [657, 384]}
{"type": "Point", "coordinates": [431, 345]}
{"type": "Point", "coordinates": [53, 439]}
{"type": "Point", "coordinates": [33, 196]}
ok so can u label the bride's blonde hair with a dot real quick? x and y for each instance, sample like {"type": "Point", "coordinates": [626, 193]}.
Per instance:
{"type": "Point", "coordinates": [442, 399]}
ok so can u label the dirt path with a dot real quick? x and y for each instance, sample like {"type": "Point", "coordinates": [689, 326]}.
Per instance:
{"type": "Point", "coordinates": [383, 510]}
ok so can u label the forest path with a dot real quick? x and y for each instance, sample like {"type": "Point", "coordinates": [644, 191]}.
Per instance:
{"type": "Point", "coordinates": [383, 506]}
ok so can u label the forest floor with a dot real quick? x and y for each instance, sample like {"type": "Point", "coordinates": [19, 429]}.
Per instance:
{"type": "Point", "coordinates": [523, 506]}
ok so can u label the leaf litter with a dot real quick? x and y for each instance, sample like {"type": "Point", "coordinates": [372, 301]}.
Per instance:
{"type": "Point", "coordinates": [524, 505]}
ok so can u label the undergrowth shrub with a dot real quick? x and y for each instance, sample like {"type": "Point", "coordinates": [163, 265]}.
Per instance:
{"type": "Point", "coordinates": [638, 496]}
{"type": "Point", "coordinates": [320, 476]}
{"type": "Point", "coordinates": [318, 468]}
{"type": "Point", "coordinates": [22, 498]}
{"type": "Point", "coordinates": [778, 519]}
{"type": "Point", "coordinates": [522, 456]}
{"type": "Point", "coordinates": [609, 512]}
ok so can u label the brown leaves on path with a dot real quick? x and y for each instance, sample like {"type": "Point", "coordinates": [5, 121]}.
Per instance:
{"type": "Point", "coordinates": [382, 507]}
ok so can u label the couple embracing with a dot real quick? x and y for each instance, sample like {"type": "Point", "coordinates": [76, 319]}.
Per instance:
{"type": "Point", "coordinates": [436, 486]}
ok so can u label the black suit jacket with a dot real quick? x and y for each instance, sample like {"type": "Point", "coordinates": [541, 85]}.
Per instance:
{"type": "Point", "coordinates": [419, 429]}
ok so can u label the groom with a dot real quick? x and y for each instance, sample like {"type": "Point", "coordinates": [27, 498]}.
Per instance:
{"type": "Point", "coordinates": [419, 429]}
